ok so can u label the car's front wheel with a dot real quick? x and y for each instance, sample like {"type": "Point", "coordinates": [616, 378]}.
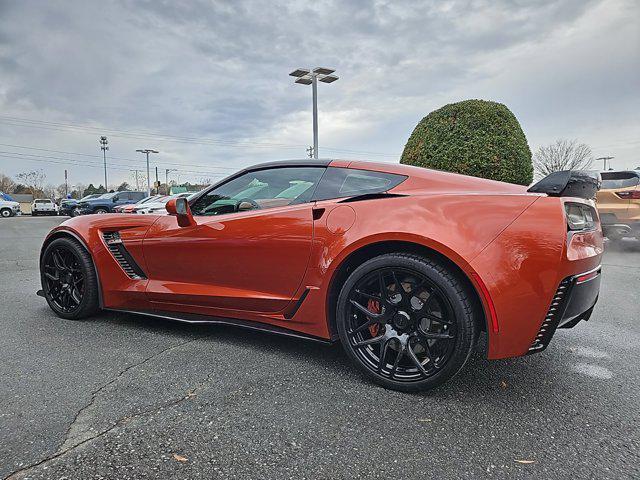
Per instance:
{"type": "Point", "coordinates": [406, 321]}
{"type": "Point", "coordinates": [69, 279]}
{"type": "Point", "coordinates": [5, 213]}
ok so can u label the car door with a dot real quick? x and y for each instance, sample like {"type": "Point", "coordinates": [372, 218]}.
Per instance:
{"type": "Point", "coordinates": [248, 250]}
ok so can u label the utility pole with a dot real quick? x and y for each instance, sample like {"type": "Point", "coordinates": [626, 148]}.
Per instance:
{"type": "Point", "coordinates": [157, 183]}
{"type": "Point", "coordinates": [66, 184]}
{"type": "Point", "coordinates": [166, 178]}
{"type": "Point", "coordinates": [311, 77]}
{"type": "Point", "coordinates": [137, 184]}
{"type": "Point", "coordinates": [604, 161]}
{"type": "Point", "coordinates": [104, 148]}
{"type": "Point", "coordinates": [147, 151]}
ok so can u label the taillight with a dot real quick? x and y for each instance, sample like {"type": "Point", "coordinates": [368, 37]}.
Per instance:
{"type": "Point", "coordinates": [629, 194]}
{"type": "Point", "coordinates": [580, 216]}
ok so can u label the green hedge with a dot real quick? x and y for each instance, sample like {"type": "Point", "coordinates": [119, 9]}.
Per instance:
{"type": "Point", "coordinates": [473, 137]}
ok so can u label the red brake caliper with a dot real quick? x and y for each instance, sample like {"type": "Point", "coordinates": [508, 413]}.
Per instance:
{"type": "Point", "coordinates": [374, 307]}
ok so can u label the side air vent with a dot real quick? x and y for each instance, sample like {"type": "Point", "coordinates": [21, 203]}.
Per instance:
{"type": "Point", "coordinates": [122, 256]}
{"type": "Point", "coordinates": [554, 315]}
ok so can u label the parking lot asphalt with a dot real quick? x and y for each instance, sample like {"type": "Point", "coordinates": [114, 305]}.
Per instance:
{"type": "Point", "coordinates": [121, 396]}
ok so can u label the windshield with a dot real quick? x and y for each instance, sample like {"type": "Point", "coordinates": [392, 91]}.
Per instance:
{"type": "Point", "coordinates": [108, 195]}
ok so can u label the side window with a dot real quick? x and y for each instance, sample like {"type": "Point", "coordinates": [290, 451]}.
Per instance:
{"type": "Point", "coordinates": [349, 182]}
{"type": "Point", "coordinates": [260, 189]}
{"type": "Point", "coordinates": [618, 180]}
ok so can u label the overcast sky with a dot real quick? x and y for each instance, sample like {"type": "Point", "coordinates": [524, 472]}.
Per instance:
{"type": "Point", "coordinates": [205, 82]}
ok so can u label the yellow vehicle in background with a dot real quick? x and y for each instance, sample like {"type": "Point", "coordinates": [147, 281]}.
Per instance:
{"type": "Point", "coordinates": [618, 203]}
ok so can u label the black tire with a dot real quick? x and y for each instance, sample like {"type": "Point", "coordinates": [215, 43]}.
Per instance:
{"type": "Point", "coordinates": [34, 214]}
{"type": "Point", "coordinates": [6, 213]}
{"type": "Point", "coordinates": [69, 279]}
{"type": "Point", "coordinates": [100, 210]}
{"type": "Point", "coordinates": [433, 312]}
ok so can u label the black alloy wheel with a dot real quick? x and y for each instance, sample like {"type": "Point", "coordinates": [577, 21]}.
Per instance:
{"type": "Point", "coordinates": [406, 321]}
{"type": "Point", "coordinates": [68, 279]}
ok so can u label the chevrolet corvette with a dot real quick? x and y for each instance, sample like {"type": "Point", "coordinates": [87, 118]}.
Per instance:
{"type": "Point", "coordinates": [404, 266]}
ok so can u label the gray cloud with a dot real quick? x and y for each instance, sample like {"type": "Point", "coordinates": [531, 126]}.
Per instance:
{"type": "Point", "coordinates": [219, 70]}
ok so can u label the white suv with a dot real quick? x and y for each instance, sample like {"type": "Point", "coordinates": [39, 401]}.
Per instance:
{"type": "Point", "coordinates": [9, 208]}
{"type": "Point", "coordinates": [43, 206]}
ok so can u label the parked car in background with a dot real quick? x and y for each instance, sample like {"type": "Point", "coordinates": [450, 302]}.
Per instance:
{"type": "Point", "coordinates": [158, 206]}
{"type": "Point", "coordinates": [619, 204]}
{"type": "Point", "coordinates": [68, 206]}
{"type": "Point", "coordinates": [129, 208]}
{"type": "Point", "coordinates": [44, 206]}
{"type": "Point", "coordinates": [9, 208]}
{"type": "Point", "coordinates": [107, 202]}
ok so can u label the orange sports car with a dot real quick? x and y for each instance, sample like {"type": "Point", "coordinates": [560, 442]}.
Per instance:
{"type": "Point", "coordinates": [404, 266]}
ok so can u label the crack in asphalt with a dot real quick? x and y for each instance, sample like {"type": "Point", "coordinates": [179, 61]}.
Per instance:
{"type": "Point", "coordinates": [67, 446]}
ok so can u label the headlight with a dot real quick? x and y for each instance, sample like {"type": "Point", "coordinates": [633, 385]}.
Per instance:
{"type": "Point", "coordinates": [580, 216]}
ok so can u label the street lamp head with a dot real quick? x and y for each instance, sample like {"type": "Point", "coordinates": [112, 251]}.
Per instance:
{"type": "Point", "coordinates": [304, 81]}
{"type": "Point", "coordinates": [300, 72]}
{"type": "Point", "coordinates": [328, 78]}
{"type": "Point", "coordinates": [323, 71]}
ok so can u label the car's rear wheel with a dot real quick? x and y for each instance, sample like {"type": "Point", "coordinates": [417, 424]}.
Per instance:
{"type": "Point", "coordinates": [100, 211]}
{"type": "Point", "coordinates": [68, 279]}
{"type": "Point", "coordinates": [406, 321]}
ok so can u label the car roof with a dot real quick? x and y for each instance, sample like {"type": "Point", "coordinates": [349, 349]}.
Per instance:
{"type": "Point", "coordinates": [632, 172]}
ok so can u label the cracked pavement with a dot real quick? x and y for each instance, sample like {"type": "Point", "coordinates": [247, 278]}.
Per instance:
{"type": "Point", "coordinates": [123, 397]}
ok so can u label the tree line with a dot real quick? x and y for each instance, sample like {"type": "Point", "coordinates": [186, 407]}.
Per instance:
{"type": "Point", "coordinates": [34, 182]}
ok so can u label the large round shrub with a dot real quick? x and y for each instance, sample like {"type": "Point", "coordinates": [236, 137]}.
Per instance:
{"type": "Point", "coordinates": [473, 137]}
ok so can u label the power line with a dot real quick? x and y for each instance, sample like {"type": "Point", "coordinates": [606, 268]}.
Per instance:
{"type": "Point", "coordinates": [80, 163]}
{"type": "Point", "coordinates": [59, 126]}
{"type": "Point", "coordinates": [132, 160]}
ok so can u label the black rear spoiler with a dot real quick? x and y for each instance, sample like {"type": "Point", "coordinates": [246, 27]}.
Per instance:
{"type": "Point", "coordinates": [569, 183]}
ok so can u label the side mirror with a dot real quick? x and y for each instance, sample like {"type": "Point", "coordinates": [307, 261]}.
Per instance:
{"type": "Point", "coordinates": [179, 207]}
{"type": "Point", "coordinates": [115, 199]}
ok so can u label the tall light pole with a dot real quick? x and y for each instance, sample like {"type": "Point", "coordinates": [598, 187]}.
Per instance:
{"type": "Point", "coordinates": [604, 161]}
{"type": "Point", "coordinates": [311, 77]}
{"type": "Point", "coordinates": [166, 178]}
{"type": "Point", "coordinates": [104, 148]}
{"type": "Point", "coordinates": [147, 151]}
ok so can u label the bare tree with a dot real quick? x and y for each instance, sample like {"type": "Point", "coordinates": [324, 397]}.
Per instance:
{"type": "Point", "coordinates": [49, 191]}
{"type": "Point", "coordinates": [61, 190]}
{"type": "Point", "coordinates": [6, 183]}
{"type": "Point", "coordinates": [34, 180]}
{"type": "Point", "coordinates": [562, 155]}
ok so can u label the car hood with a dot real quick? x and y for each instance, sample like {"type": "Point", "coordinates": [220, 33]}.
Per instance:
{"type": "Point", "coordinates": [8, 202]}
{"type": "Point", "coordinates": [151, 205]}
